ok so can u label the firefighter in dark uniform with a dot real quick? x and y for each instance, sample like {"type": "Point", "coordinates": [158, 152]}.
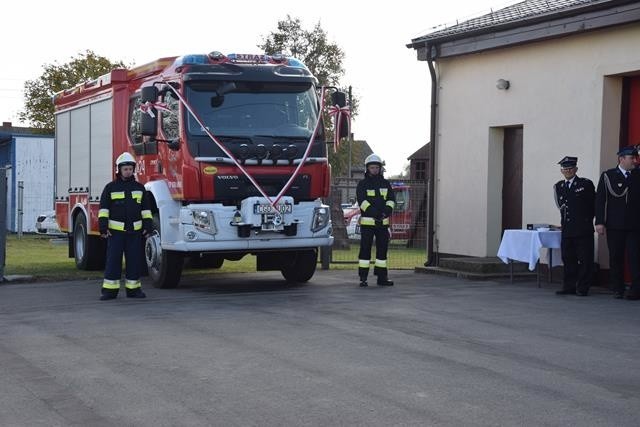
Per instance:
{"type": "Point", "coordinates": [618, 215]}
{"type": "Point", "coordinates": [575, 197]}
{"type": "Point", "coordinates": [376, 200]}
{"type": "Point", "coordinates": [124, 217]}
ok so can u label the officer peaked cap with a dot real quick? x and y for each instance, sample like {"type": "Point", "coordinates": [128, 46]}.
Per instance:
{"type": "Point", "coordinates": [628, 151]}
{"type": "Point", "coordinates": [568, 162]}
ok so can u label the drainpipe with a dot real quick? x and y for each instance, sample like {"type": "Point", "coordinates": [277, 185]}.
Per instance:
{"type": "Point", "coordinates": [431, 261]}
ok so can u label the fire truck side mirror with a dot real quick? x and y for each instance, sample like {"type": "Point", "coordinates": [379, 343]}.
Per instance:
{"type": "Point", "coordinates": [149, 93]}
{"type": "Point", "coordinates": [339, 98]}
{"type": "Point", "coordinates": [149, 122]}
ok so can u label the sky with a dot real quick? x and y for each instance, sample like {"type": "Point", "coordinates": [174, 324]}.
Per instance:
{"type": "Point", "coordinates": [393, 87]}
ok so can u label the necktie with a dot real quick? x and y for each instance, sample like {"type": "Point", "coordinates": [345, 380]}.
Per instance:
{"type": "Point", "coordinates": [626, 174]}
{"type": "Point", "coordinates": [567, 184]}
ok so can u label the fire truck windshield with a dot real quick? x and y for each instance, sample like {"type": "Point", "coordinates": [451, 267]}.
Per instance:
{"type": "Point", "coordinates": [247, 109]}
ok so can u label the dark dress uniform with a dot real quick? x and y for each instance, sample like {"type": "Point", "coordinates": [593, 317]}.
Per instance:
{"type": "Point", "coordinates": [618, 209]}
{"type": "Point", "coordinates": [124, 213]}
{"type": "Point", "coordinates": [376, 200]}
{"type": "Point", "coordinates": [576, 201]}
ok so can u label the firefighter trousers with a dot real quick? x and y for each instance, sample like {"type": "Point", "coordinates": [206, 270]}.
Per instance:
{"type": "Point", "coordinates": [129, 244]}
{"type": "Point", "coordinates": [381, 234]}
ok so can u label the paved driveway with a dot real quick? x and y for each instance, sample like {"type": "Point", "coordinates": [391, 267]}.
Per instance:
{"type": "Point", "coordinates": [244, 349]}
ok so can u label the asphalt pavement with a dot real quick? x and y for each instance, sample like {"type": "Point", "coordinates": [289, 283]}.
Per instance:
{"type": "Point", "coordinates": [249, 350]}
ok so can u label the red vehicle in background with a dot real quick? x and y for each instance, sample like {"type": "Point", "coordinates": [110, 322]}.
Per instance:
{"type": "Point", "coordinates": [400, 219]}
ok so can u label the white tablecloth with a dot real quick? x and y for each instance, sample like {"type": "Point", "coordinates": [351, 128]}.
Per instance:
{"type": "Point", "coordinates": [525, 246]}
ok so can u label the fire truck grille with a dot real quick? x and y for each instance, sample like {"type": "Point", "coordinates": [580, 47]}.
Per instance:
{"type": "Point", "coordinates": [232, 187]}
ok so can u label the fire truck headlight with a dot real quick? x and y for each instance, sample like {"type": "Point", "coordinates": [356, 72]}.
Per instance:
{"type": "Point", "coordinates": [203, 221]}
{"type": "Point", "coordinates": [321, 218]}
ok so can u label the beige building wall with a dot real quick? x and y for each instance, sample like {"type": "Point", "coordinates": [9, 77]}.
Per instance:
{"type": "Point", "coordinates": [566, 95]}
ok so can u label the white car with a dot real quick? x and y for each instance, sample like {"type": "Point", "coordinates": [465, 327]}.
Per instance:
{"type": "Point", "coordinates": [353, 227]}
{"type": "Point", "coordinates": [47, 224]}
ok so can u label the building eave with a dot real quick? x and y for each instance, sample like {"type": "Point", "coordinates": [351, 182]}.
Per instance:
{"type": "Point", "coordinates": [559, 24]}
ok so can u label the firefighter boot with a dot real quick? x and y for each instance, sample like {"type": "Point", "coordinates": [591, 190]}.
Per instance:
{"type": "Point", "coordinates": [383, 280]}
{"type": "Point", "coordinates": [108, 294]}
{"type": "Point", "coordinates": [363, 272]}
{"type": "Point", "coordinates": [135, 293]}
{"type": "Point", "coordinates": [109, 289]}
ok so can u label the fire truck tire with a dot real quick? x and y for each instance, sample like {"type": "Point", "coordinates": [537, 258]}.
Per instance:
{"type": "Point", "coordinates": [300, 267]}
{"type": "Point", "coordinates": [89, 250]}
{"type": "Point", "coordinates": [165, 269]}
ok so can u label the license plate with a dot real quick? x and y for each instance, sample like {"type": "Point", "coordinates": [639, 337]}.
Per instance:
{"type": "Point", "coordinates": [266, 209]}
{"type": "Point", "coordinates": [400, 226]}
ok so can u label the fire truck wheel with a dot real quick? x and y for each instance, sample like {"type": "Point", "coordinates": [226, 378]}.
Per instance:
{"type": "Point", "coordinates": [89, 251]}
{"type": "Point", "coordinates": [165, 267]}
{"type": "Point", "coordinates": [300, 267]}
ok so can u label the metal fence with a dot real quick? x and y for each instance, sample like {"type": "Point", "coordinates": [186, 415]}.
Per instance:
{"type": "Point", "coordinates": [407, 247]}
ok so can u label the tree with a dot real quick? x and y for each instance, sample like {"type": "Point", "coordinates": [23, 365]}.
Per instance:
{"type": "Point", "coordinates": [340, 159]}
{"type": "Point", "coordinates": [38, 107]}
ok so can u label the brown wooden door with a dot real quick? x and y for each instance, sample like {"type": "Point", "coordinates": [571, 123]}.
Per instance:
{"type": "Point", "coordinates": [630, 120]}
{"type": "Point", "coordinates": [512, 179]}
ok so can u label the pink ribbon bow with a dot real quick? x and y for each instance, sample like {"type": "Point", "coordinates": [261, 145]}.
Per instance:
{"type": "Point", "coordinates": [159, 106]}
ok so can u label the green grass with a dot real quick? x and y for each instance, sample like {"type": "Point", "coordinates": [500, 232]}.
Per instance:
{"type": "Point", "coordinates": [37, 256]}
{"type": "Point", "coordinates": [46, 259]}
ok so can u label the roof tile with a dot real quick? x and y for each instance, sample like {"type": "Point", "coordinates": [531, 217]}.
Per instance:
{"type": "Point", "coordinates": [521, 11]}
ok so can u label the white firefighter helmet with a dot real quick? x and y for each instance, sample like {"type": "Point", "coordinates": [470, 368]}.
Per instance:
{"type": "Point", "coordinates": [373, 158]}
{"type": "Point", "coordinates": [125, 159]}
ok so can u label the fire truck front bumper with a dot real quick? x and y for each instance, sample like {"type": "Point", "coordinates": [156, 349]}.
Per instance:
{"type": "Point", "coordinates": [255, 227]}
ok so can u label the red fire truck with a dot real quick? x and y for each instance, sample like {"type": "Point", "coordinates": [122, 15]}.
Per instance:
{"type": "Point", "coordinates": [231, 150]}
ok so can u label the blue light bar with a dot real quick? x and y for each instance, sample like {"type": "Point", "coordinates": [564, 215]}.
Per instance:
{"type": "Point", "coordinates": [192, 59]}
{"type": "Point", "coordinates": [293, 62]}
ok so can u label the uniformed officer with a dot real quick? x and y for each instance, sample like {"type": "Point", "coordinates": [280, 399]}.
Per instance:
{"type": "Point", "coordinates": [124, 217]}
{"type": "Point", "coordinates": [376, 200]}
{"type": "Point", "coordinates": [575, 197]}
{"type": "Point", "coordinates": [618, 215]}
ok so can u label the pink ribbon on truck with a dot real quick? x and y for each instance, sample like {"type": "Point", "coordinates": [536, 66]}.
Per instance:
{"type": "Point", "coordinates": [224, 149]}
{"type": "Point", "coordinates": [146, 108]}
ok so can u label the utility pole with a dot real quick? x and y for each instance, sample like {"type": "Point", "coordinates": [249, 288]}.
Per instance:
{"type": "Point", "coordinates": [350, 137]}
